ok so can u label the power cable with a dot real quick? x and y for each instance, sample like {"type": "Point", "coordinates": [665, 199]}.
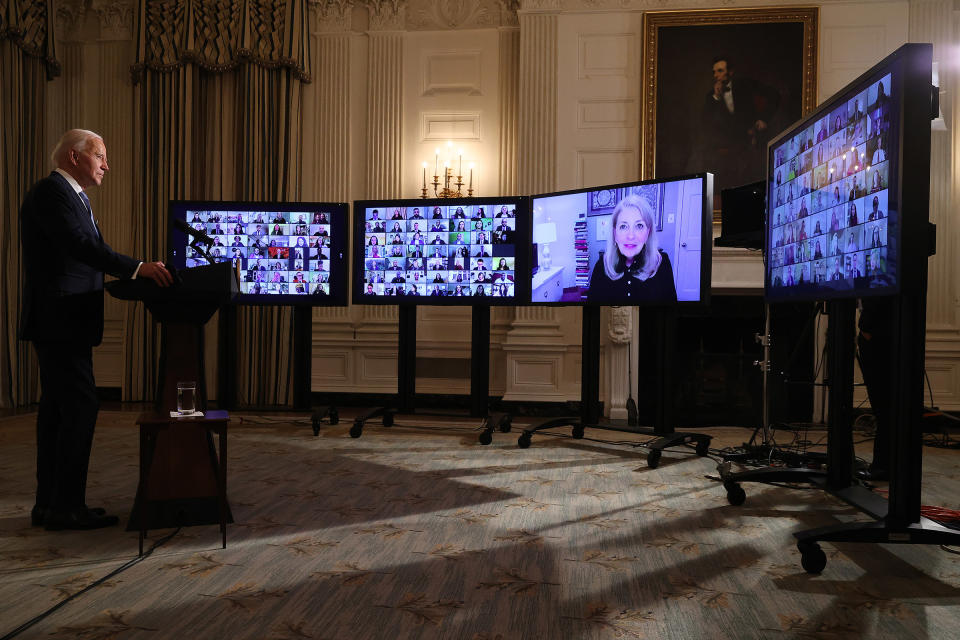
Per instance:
{"type": "Point", "coordinates": [26, 625]}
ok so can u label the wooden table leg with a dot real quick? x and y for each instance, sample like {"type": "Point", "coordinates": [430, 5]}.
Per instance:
{"type": "Point", "coordinates": [222, 488]}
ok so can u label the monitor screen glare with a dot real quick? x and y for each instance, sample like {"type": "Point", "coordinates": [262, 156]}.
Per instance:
{"type": "Point", "coordinates": [829, 194]}
{"type": "Point", "coordinates": [635, 244]}
{"type": "Point", "coordinates": [440, 251]}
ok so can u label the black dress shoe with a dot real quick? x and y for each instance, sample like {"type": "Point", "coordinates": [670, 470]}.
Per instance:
{"type": "Point", "coordinates": [38, 514]}
{"type": "Point", "coordinates": [82, 518]}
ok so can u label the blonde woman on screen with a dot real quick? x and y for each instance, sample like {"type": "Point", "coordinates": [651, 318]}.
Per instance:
{"type": "Point", "coordinates": [632, 268]}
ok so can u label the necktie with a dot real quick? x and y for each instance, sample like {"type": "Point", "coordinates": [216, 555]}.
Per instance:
{"type": "Point", "coordinates": [86, 201]}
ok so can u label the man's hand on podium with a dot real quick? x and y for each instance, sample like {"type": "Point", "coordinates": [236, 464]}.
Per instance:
{"type": "Point", "coordinates": [157, 272]}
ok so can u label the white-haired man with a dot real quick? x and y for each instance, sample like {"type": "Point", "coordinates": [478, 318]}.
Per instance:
{"type": "Point", "coordinates": [64, 259]}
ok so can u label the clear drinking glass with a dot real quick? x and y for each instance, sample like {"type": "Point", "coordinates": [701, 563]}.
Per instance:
{"type": "Point", "coordinates": [186, 397]}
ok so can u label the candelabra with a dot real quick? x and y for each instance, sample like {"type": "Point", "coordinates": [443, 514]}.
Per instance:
{"type": "Point", "coordinates": [452, 185]}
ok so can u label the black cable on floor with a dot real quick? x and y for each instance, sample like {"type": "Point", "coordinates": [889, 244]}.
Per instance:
{"type": "Point", "coordinates": [120, 569]}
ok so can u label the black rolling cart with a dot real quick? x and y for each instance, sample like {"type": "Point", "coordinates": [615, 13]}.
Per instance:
{"type": "Point", "coordinates": [407, 372]}
{"type": "Point", "coordinates": [898, 520]}
{"type": "Point", "coordinates": [664, 320]}
{"type": "Point", "coordinates": [286, 255]}
{"type": "Point", "coordinates": [432, 240]}
{"type": "Point", "coordinates": [615, 261]}
{"type": "Point", "coordinates": [901, 103]}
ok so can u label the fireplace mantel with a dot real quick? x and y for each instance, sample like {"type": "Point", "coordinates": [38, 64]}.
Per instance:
{"type": "Point", "coordinates": [737, 271]}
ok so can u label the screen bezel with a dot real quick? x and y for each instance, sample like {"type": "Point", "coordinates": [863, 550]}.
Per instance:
{"type": "Point", "coordinates": [521, 288]}
{"type": "Point", "coordinates": [706, 243]}
{"type": "Point", "coordinates": [339, 265]}
{"type": "Point", "coordinates": [907, 95]}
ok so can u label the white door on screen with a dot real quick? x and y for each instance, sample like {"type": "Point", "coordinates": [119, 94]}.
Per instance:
{"type": "Point", "coordinates": [688, 245]}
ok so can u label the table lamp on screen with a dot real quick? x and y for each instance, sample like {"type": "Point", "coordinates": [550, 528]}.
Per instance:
{"type": "Point", "coordinates": [543, 235]}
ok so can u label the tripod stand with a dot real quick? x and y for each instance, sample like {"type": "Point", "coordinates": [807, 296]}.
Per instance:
{"type": "Point", "coordinates": [766, 449]}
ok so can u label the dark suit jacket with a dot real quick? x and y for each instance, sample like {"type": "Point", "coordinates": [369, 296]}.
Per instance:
{"type": "Point", "coordinates": [64, 260]}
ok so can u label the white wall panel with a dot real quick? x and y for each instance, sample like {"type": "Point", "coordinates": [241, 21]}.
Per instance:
{"type": "Point", "coordinates": [451, 89]}
{"type": "Point", "coordinates": [606, 54]}
{"type": "Point", "coordinates": [599, 93]}
{"type": "Point", "coordinates": [595, 167]}
{"type": "Point", "coordinates": [854, 36]}
{"type": "Point", "coordinates": [606, 113]}
{"type": "Point", "coordinates": [440, 126]}
{"type": "Point", "coordinates": [453, 72]}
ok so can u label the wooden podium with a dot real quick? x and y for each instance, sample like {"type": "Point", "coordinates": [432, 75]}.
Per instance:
{"type": "Point", "coordinates": [182, 475]}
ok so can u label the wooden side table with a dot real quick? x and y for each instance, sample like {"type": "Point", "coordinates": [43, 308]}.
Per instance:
{"type": "Point", "coordinates": [183, 478]}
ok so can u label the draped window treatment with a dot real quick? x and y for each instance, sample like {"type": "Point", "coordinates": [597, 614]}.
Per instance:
{"type": "Point", "coordinates": [218, 117]}
{"type": "Point", "coordinates": [27, 61]}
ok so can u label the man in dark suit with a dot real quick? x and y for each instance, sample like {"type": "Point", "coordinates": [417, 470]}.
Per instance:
{"type": "Point", "coordinates": [503, 234]}
{"type": "Point", "coordinates": [735, 119]}
{"type": "Point", "coordinates": [64, 259]}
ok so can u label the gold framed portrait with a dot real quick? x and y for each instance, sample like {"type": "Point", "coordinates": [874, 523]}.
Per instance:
{"type": "Point", "coordinates": [719, 84]}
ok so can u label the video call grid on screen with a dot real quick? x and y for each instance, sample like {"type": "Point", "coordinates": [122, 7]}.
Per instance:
{"type": "Point", "coordinates": [573, 231]}
{"type": "Point", "coordinates": [439, 252]}
{"type": "Point", "coordinates": [286, 253]}
{"type": "Point", "coordinates": [831, 231]}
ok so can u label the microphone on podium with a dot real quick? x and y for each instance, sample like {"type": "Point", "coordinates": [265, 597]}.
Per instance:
{"type": "Point", "coordinates": [198, 236]}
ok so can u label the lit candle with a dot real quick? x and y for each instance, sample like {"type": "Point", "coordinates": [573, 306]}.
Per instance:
{"type": "Point", "coordinates": [460, 162]}
{"type": "Point", "coordinates": [436, 161]}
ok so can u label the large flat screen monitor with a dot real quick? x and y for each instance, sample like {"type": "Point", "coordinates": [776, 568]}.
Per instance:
{"type": "Point", "coordinates": [640, 243]}
{"type": "Point", "coordinates": [288, 253]}
{"type": "Point", "coordinates": [835, 187]}
{"type": "Point", "coordinates": [445, 252]}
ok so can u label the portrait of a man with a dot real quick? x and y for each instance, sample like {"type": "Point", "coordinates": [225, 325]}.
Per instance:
{"type": "Point", "coordinates": [734, 125]}
{"type": "Point", "coordinates": [737, 79]}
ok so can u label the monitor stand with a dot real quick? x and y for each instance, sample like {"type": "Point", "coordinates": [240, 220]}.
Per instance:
{"type": "Point", "coordinates": [407, 376]}
{"type": "Point", "coordinates": [665, 436]}
{"type": "Point", "coordinates": [897, 520]}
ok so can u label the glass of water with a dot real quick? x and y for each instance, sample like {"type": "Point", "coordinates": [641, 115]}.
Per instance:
{"type": "Point", "coordinates": [186, 397]}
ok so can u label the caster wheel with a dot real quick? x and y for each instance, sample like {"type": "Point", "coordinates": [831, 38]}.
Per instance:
{"type": "Point", "coordinates": [812, 557]}
{"type": "Point", "coordinates": [334, 417]}
{"type": "Point", "coordinates": [485, 438]}
{"type": "Point", "coordinates": [505, 425]}
{"type": "Point", "coordinates": [577, 432]}
{"type": "Point", "coordinates": [388, 419]}
{"type": "Point", "coordinates": [356, 430]}
{"type": "Point", "coordinates": [736, 495]}
{"type": "Point", "coordinates": [524, 441]}
{"type": "Point", "coordinates": [703, 448]}
{"type": "Point", "coordinates": [653, 458]}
